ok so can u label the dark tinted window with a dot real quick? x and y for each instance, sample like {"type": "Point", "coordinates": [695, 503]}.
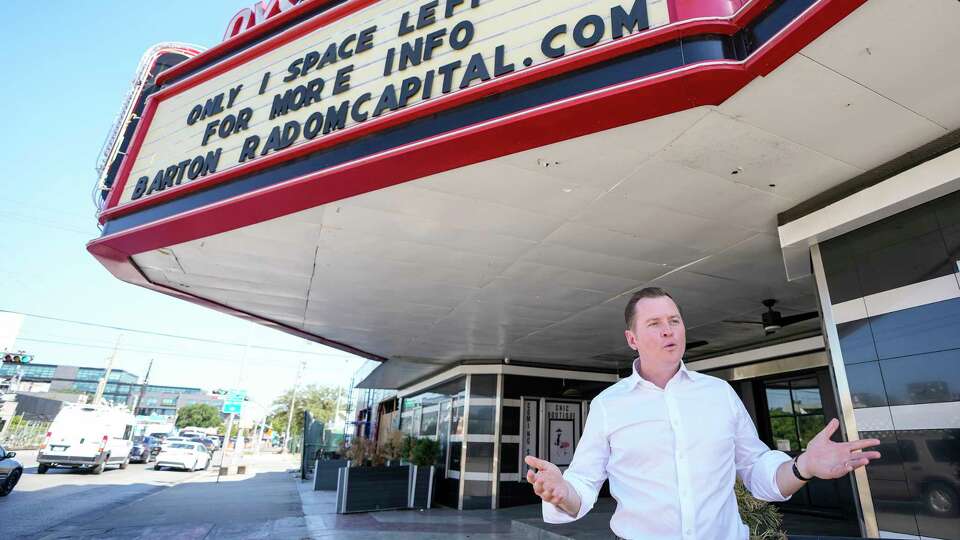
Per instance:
{"type": "Point", "coordinates": [923, 329]}
{"type": "Point", "coordinates": [866, 385]}
{"type": "Point", "coordinates": [924, 378]}
{"type": "Point", "coordinates": [856, 342]}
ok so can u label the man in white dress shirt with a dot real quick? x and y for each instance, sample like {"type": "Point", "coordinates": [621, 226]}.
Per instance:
{"type": "Point", "coordinates": [672, 441]}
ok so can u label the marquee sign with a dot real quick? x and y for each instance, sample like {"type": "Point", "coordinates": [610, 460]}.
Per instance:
{"type": "Point", "coordinates": [387, 56]}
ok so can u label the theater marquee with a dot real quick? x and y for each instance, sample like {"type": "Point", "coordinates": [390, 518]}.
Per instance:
{"type": "Point", "coordinates": [384, 57]}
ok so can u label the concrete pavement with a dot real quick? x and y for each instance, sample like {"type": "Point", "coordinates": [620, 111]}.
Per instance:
{"type": "Point", "coordinates": [258, 505]}
{"type": "Point", "coordinates": [41, 501]}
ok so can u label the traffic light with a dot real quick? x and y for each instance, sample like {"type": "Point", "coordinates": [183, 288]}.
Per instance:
{"type": "Point", "coordinates": [17, 358]}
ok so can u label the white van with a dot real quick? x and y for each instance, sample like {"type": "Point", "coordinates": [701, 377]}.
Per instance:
{"type": "Point", "coordinates": [88, 437]}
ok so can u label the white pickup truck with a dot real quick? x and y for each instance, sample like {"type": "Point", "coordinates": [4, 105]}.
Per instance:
{"type": "Point", "coordinates": [89, 437]}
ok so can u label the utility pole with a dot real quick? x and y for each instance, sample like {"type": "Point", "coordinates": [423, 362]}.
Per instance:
{"type": "Point", "coordinates": [226, 443]}
{"type": "Point", "coordinates": [293, 400]}
{"type": "Point", "coordinates": [106, 374]}
{"type": "Point", "coordinates": [143, 388]}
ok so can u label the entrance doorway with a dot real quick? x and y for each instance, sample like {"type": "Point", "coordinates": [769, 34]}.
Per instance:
{"type": "Point", "coordinates": [791, 400]}
{"type": "Point", "coordinates": [793, 411]}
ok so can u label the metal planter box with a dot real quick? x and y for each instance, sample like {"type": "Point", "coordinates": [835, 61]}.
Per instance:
{"type": "Point", "coordinates": [422, 483]}
{"type": "Point", "coordinates": [369, 489]}
{"type": "Point", "coordinates": [325, 474]}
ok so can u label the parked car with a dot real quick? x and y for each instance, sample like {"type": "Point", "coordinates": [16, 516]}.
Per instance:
{"type": "Point", "coordinates": [145, 449]}
{"type": "Point", "coordinates": [10, 471]}
{"type": "Point", "coordinates": [88, 437]}
{"type": "Point", "coordinates": [183, 455]}
{"type": "Point", "coordinates": [206, 442]}
{"type": "Point", "coordinates": [170, 440]}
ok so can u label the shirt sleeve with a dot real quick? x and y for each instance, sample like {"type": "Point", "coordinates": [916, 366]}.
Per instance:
{"type": "Point", "coordinates": [588, 470]}
{"type": "Point", "coordinates": [756, 464]}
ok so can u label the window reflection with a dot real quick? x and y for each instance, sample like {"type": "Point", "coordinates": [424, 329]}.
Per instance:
{"type": "Point", "coordinates": [796, 412]}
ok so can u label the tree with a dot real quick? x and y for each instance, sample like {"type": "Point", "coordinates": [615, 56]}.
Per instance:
{"type": "Point", "coordinates": [321, 401]}
{"type": "Point", "coordinates": [199, 415]}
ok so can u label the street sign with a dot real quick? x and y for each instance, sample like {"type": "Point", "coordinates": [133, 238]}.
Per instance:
{"type": "Point", "coordinates": [233, 404]}
{"type": "Point", "coordinates": [232, 408]}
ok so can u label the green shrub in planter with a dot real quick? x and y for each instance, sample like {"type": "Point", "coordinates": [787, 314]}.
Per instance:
{"type": "Point", "coordinates": [425, 452]}
{"type": "Point", "coordinates": [392, 446]}
{"type": "Point", "coordinates": [762, 518]}
{"type": "Point", "coordinates": [406, 447]}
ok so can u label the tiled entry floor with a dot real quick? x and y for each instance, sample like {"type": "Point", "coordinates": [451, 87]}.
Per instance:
{"type": "Point", "coordinates": [517, 523]}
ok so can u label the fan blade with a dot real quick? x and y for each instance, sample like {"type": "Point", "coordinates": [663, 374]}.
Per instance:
{"type": "Point", "coordinates": [695, 344]}
{"type": "Point", "coordinates": [791, 319]}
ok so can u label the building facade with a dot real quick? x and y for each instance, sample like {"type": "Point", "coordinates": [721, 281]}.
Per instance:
{"type": "Point", "coordinates": [468, 193]}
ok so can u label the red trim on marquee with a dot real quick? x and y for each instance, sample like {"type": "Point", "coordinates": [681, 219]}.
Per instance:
{"type": "Point", "coordinates": [238, 40]}
{"type": "Point", "coordinates": [710, 83]}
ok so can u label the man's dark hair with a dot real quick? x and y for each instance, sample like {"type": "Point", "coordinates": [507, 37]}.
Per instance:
{"type": "Point", "coordinates": [646, 292]}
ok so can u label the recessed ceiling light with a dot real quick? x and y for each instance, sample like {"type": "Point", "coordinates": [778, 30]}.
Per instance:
{"type": "Point", "coordinates": [738, 170]}
{"type": "Point", "coordinates": [568, 190]}
{"type": "Point", "coordinates": [772, 185]}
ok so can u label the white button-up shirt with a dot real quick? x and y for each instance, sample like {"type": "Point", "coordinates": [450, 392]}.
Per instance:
{"type": "Point", "coordinates": [671, 455]}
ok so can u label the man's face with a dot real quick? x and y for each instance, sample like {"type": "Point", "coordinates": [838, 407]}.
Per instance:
{"type": "Point", "coordinates": [657, 333]}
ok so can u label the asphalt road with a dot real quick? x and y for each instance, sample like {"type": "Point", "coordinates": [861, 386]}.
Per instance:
{"type": "Point", "coordinates": [43, 502]}
{"type": "Point", "coordinates": [144, 504]}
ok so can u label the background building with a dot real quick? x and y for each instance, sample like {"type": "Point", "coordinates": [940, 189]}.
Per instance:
{"type": "Point", "coordinates": [123, 387]}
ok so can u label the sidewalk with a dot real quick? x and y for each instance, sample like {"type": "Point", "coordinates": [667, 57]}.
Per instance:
{"type": "Point", "coordinates": [518, 523]}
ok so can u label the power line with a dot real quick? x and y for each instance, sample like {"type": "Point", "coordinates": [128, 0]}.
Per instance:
{"type": "Point", "coordinates": [161, 334]}
{"type": "Point", "coordinates": [23, 221]}
{"type": "Point", "coordinates": [126, 349]}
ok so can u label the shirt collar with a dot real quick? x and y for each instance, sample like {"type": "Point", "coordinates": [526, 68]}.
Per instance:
{"type": "Point", "coordinates": [635, 379]}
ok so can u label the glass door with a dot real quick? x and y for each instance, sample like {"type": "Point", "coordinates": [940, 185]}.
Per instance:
{"type": "Point", "coordinates": [796, 410]}
{"type": "Point", "coordinates": [796, 413]}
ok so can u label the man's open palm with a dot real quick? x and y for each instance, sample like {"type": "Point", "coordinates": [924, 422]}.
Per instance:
{"type": "Point", "coordinates": [547, 481]}
{"type": "Point", "coordinates": [827, 459]}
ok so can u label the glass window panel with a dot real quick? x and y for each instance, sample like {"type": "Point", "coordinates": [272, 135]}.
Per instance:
{"type": "Point", "coordinates": [778, 401]}
{"type": "Point", "coordinates": [429, 422]}
{"type": "Point", "coordinates": [806, 397]}
{"type": "Point", "coordinates": [866, 385]}
{"type": "Point", "coordinates": [926, 378]}
{"type": "Point", "coordinates": [509, 457]}
{"type": "Point", "coordinates": [483, 385]}
{"type": "Point", "coordinates": [809, 427]}
{"type": "Point", "coordinates": [947, 449]}
{"type": "Point", "coordinates": [511, 421]}
{"type": "Point", "coordinates": [456, 448]}
{"type": "Point", "coordinates": [481, 419]}
{"type": "Point", "coordinates": [457, 428]}
{"type": "Point", "coordinates": [785, 433]}
{"type": "Point", "coordinates": [480, 457]}
{"type": "Point", "coordinates": [444, 430]}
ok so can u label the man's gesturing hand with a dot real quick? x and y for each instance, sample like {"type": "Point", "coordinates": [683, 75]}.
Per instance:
{"type": "Point", "coordinates": [549, 485]}
{"type": "Point", "coordinates": [827, 459]}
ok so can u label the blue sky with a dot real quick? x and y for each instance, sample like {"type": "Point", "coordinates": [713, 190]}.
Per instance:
{"type": "Point", "coordinates": [67, 69]}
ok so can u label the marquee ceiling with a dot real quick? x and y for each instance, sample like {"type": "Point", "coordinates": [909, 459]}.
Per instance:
{"type": "Point", "coordinates": [532, 256]}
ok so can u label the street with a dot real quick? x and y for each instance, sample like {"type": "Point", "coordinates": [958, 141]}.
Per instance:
{"type": "Point", "coordinates": [140, 502]}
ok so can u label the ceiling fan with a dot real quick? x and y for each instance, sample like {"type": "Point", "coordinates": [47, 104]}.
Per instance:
{"type": "Point", "coordinates": [772, 320]}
